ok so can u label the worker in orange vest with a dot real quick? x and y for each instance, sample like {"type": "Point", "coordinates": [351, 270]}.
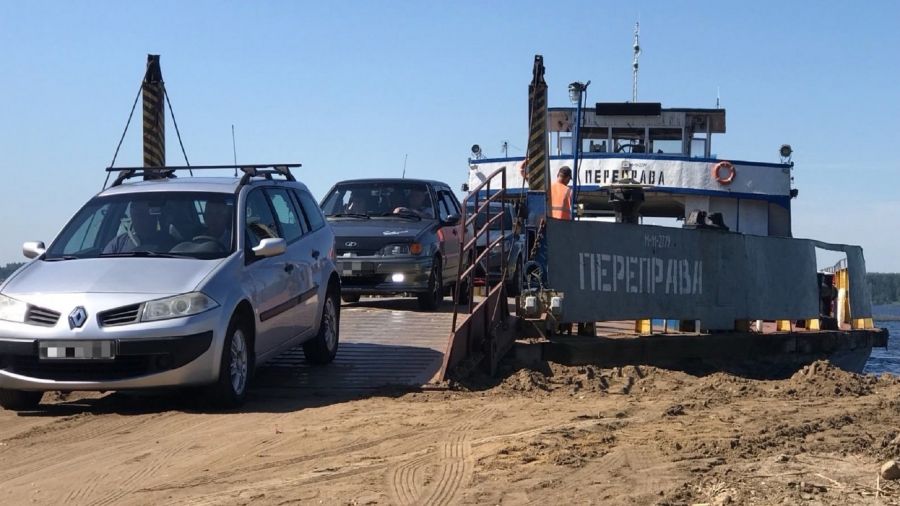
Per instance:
{"type": "Point", "coordinates": [561, 195]}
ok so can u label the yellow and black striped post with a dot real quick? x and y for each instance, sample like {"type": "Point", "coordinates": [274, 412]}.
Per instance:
{"type": "Point", "coordinates": [538, 160]}
{"type": "Point", "coordinates": [154, 100]}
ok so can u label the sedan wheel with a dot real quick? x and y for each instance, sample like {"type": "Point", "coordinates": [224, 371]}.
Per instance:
{"type": "Point", "coordinates": [430, 300]}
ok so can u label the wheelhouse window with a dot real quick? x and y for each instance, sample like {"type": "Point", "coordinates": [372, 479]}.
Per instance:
{"type": "Point", "coordinates": [173, 224]}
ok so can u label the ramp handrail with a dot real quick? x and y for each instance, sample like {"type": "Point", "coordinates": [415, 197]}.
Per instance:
{"type": "Point", "coordinates": [484, 335]}
{"type": "Point", "coordinates": [465, 247]}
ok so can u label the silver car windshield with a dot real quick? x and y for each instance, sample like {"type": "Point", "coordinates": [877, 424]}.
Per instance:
{"type": "Point", "coordinates": [171, 224]}
{"type": "Point", "coordinates": [368, 199]}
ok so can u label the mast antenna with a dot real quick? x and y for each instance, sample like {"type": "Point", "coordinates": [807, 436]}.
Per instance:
{"type": "Point", "coordinates": [404, 165]}
{"type": "Point", "coordinates": [634, 63]}
{"type": "Point", "coordinates": [233, 149]}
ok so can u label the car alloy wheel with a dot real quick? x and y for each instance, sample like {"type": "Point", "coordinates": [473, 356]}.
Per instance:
{"type": "Point", "coordinates": [239, 362]}
{"type": "Point", "coordinates": [329, 322]}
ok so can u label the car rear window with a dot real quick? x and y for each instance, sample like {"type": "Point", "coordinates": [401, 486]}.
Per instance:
{"type": "Point", "coordinates": [310, 209]}
{"type": "Point", "coordinates": [284, 212]}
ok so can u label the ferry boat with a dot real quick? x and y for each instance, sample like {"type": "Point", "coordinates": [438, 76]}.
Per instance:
{"type": "Point", "coordinates": [696, 249]}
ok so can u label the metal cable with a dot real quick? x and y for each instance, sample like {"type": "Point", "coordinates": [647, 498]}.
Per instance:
{"type": "Point", "coordinates": [177, 132]}
{"type": "Point", "coordinates": [122, 138]}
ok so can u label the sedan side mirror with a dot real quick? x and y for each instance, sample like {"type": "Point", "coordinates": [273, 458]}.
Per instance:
{"type": "Point", "coordinates": [33, 249]}
{"type": "Point", "coordinates": [270, 247]}
{"type": "Point", "coordinates": [451, 220]}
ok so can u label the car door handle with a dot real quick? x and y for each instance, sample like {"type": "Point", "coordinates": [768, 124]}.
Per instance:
{"type": "Point", "coordinates": [315, 254]}
{"type": "Point", "coordinates": [289, 268]}
{"type": "Point", "coordinates": [454, 232]}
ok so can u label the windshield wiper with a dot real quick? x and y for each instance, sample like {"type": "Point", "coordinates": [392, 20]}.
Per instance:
{"type": "Point", "coordinates": [405, 215]}
{"type": "Point", "coordinates": [145, 254]}
{"type": "Point", "coordinates": [61, 258]}
{"type": "Point", "coordinates": [350, 215]}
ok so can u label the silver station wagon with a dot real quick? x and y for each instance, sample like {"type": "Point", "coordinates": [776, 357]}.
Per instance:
{"type": "Point", "coordinates": [170, 282]}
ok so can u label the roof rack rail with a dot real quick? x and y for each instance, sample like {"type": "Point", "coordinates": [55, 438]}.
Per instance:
{"type": "Point", "coordinates": [168, 171]}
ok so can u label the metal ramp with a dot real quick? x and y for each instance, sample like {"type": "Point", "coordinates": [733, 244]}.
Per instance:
{"type": "Point", "coordinates": [388, 342]}
{"type": "Point", "coordinates": [384, 342]}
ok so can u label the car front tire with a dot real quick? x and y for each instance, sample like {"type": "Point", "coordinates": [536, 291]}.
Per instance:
{"type": "Point", "coordinates": [19, 400]}
{"type": "Point", "coordinates": [230, 390]}
{"type": "Point", "coordinates": [350, 298]}
{"type": "Point", "coordinates": [323, 348]}
{"type": "Point", "coordinates": [430, 300]}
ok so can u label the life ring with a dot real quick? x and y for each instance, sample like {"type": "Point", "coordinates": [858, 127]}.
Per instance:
{"type": "Point", "coordinates": [729, 170]}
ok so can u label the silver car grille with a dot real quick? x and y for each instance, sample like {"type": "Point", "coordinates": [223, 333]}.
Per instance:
{"type": "Point", "coordinates": [41, 316]}
{"type": "Point", "coordinates": [120, 315]}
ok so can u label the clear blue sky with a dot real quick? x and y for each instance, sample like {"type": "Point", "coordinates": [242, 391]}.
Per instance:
{"type": "Point", "coordinates": [348, 88]}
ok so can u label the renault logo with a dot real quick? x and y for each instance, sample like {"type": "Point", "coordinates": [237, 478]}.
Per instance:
{"type": "Point", "coordinates": [77, 317]}
{"type": "Point", "coordinates": [351, 244]}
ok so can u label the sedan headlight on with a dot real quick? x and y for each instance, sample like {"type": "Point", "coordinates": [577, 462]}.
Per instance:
{"type": "Point", "coordinates": [176, 307]}
{"type": "Point", "coordinates": [401, 249]}
{"type": "Point", "coordinates": [12, 310]}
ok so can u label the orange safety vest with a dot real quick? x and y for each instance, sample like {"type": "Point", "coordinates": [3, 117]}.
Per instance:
{"type": "Point", "coordinates": [561, 201]}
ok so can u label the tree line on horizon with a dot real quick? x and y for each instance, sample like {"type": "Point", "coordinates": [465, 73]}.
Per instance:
{"type": "Point", "coordinates": [883, 287]}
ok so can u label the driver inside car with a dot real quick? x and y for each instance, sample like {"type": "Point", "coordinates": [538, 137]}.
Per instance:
{"type": "Point", "coordinates": [419, 204]}
{"type": "Point", "coordinates": [143, 234]}
{"type": "Point", "coordinates": [357, 204]}
{"type": "Point", "coordinates": [217, 217]}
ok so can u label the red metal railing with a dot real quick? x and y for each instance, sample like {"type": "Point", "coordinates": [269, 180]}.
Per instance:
{"type": "Point", "coordinates": [475, 334]}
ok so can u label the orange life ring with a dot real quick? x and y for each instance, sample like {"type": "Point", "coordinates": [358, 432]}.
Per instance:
{"type": "Point", "coordinates": [728, 168]}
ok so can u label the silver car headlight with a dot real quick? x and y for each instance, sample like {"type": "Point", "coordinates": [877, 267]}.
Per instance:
{"type": "Point", "coordinates": [186, 304]}
{"type": "Point", "coordinates": [12, 310]}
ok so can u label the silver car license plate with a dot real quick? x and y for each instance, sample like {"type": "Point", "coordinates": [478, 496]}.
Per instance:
{"type": "Point", "coordinates": [77, 350]}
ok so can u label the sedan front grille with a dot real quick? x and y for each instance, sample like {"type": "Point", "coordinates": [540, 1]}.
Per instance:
{"type": "Point", "coordinates": [41, 316]}
{"type": "Point", "coordinates": [119, 316]}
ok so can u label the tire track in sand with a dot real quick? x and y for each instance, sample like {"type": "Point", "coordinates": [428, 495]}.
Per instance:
{"type": "Point", "coordinates": [405, 478]}
{"type": "Point", "coordinates": [61, 443]}
{"type": "Point", "coordinates": [147, 463]}
{"type": "Point", "coordinates": [454, 467]}
{"type": "Point", "coordinates": [245, 471]}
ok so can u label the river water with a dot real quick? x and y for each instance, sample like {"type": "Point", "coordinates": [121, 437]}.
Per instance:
{"type": "Point", "coordinates": [886, 359]}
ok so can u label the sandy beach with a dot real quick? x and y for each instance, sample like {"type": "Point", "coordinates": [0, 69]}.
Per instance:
{"type": "Point", "coordinates": [561, 435]}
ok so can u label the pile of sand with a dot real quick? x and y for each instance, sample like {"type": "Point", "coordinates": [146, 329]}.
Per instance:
{"type": "Point", "coordinates": [589, 379]}
{"type": "Point", "coordinates": [822, 379]}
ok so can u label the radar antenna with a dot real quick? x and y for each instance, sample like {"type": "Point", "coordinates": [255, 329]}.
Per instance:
{"type": "Point", "coordinates": [634, 63]}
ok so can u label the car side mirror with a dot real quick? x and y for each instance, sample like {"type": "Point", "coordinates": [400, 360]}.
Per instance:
{"type": "Point", "coordinates": [33, 249]}
{"type": "Point", "coordinates": [270, 247]}
{"type": "Point", "coordinates": [451, 220]}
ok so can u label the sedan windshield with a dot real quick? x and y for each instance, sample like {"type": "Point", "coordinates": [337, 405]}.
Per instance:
{"type": "Point", "coordinates": [367, 199]}
{"type": "Point", "coordinates": [157, 224]}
